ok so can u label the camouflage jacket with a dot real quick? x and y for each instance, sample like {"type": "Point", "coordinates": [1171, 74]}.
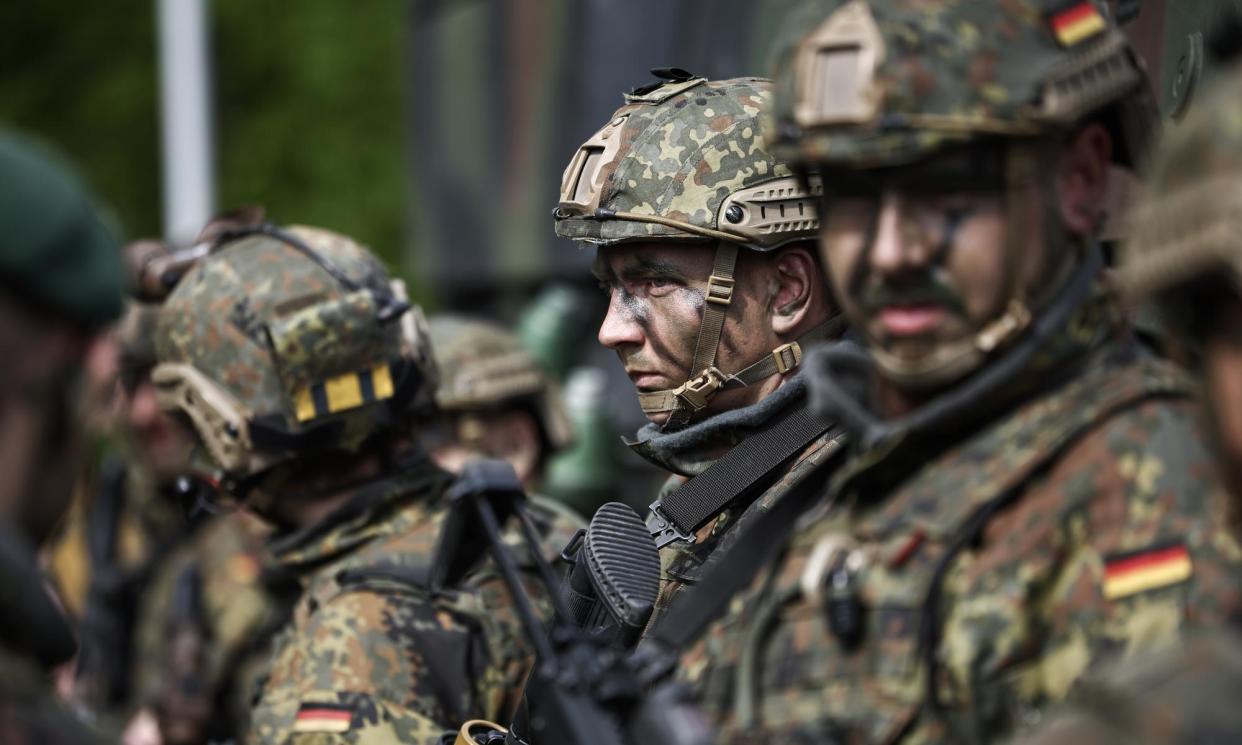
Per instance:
{"type": "Point", "coordinates": [371, 654]}
{"type": "Point", "coordinates": [691, 451]}
{"type": "Point", "coordinates": [1013, 555]}
{"type": "Point", "coordinates": [217, 590]}
{"type": "Point", "coordinates": [1186, 694]}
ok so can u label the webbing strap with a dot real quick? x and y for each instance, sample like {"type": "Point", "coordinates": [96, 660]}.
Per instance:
{"type": "Point", "coordinates": [734, 570]}
{"type": "Point", "coordinates": [719, 296]}
{"type": "Point", "coordinates": [783, 359]}
{"type": "Point", "coordinates": [679, 514]}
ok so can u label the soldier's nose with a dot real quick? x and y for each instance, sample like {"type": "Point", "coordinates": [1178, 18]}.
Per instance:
{"type": "Point", "coordinates": [891, 250]}
{"type": "Point", "coordinates": [619, 328]}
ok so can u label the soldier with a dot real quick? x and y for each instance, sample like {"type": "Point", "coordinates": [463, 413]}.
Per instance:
{"type": "Point", "coordinates": [133, 520]}
{"type": "Point", "coordinates": [494, 399]}
{"type": "Point", "coordinates": [704, 246]}
{"type": "Point", "coordinates": [302, 369]}
{"type": "Point", "coordinates": [1028, 495]}
{"type": "Point", "coordinates": [62, 281]}
{"type": "Point", "coordinates": [1185, 256]}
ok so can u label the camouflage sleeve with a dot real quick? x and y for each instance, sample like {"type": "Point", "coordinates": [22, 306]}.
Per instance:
{"type": "Point", "coordinates": [373, 667]}
{"type": "Point", "coordinates": [1126, 539]}
{"type": "Point", "coordinates": [150, 643]}
{"type": "Point", "coordinates": [1182, 695]}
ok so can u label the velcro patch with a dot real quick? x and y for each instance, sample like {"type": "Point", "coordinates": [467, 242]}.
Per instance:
{"type": "Point", "coordinates": [1147, 569]}
{"type": "Point", "coordinates": [1077, 22]}
{"type": "Point", "coordinates": [316, 717]}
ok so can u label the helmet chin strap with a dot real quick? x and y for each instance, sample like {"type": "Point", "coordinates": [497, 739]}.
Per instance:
{"type": "Point", "coordinates": [953, 361]}
{"type": "Point", "coordinates": [692, 396]}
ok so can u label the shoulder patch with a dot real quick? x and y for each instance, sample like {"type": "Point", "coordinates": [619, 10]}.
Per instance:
{"type": "Point", "coordinates": [322, 717]}
{"type": "Point", "coordinates": [1076, 21]}
{"type": "Point", "coordinates": [1147, 569]}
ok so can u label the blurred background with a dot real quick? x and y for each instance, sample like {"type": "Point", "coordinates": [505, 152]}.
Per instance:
{"type": "Point", "coordinates": [434, 131]}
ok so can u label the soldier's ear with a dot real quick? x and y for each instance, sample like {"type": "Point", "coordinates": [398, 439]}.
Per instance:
{"type": "Point", "coordinates": [797, 286]}
{"type": "Point", "coordinates": [1082, 179]}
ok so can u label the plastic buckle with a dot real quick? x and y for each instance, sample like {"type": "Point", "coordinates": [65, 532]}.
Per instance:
{"type": "Point", "coordinates": [719, 289]}
{"type": "Point", "coordinates": [570, 552]}
{"type": "Point", "coordinates": [1015, 320]}
{"type": "Point", "coordinates": [663, 530]}
{"type": "Point", "coordinates": [698, 391]}
{"type": "Point", "coordinates": [787, 357]}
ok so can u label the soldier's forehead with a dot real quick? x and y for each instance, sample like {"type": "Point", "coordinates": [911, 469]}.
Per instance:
{"type": "Point", "coordinates": [676, 257]}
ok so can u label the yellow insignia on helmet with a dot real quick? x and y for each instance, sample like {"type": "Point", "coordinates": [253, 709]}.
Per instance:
{"type": "Point", "coordinates": [342, 393]}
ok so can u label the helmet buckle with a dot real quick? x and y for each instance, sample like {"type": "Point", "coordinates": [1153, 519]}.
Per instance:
{"type": "Point", "coordinates": [1016, 318]}
{"type": "Point", "coordinates": [720, 289]}
{"type": "Point", "coordinates": [787, 357]}
{"type": "Point", "coordinates": [699, 390]}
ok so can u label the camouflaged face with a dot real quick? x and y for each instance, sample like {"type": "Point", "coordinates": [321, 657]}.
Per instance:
{"type": "Point", "coordinates": [1190, 220]}
{"type": "Point", "coordinates": [946, 72]}
{"type": "Point", "coordinates": [684, 148]}
{"type": "Point", "coordinates": [259, 318]}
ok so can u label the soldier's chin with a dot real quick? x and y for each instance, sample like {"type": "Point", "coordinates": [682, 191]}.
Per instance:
{"type": "Point", "coordinates": [659, 418]}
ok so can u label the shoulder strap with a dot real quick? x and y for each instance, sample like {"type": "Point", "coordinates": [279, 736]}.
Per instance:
{"type": "Point", "coordinates": [679, 514]}
{"type": "Point", "coordinates": [731, 572]}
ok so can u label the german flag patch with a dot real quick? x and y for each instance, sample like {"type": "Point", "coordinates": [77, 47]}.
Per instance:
{"type": "Point", "coordinates": [318, 717]}
{"type": "Point", "coordinates": [1149, 569]}
{"type": "Point", "coordinates": [1076, 22]}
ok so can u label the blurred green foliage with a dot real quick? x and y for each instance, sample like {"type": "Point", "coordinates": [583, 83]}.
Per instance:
{"type": "Point", "coordinates": [309, 116]}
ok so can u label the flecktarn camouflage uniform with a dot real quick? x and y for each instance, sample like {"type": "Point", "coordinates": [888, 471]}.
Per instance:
{"type": "Point", "coordinates": [204, 638]}
{"type": "Point", "coordinates": [684, 161]}
{"type": "Point", "coordinates": [1054, 510]}
{"type": "Point", "coordinates": [1186, 230]}
{"type": "Point", "coordinates": [285, 344]}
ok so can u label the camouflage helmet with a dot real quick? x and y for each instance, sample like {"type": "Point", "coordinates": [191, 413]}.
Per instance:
{"type": "Point", "coordinates": [485, 367]}
{"type": "Point", "coordinates": [883, 82]}
{"type": "Point", "coordinates": [135, 335]}
{"type": "Point", "coordinates": [685, 160]}
{"type": "Point", "coordinates": [286, 342]}
{"type": "Point", "coordinates": [1188, 225]}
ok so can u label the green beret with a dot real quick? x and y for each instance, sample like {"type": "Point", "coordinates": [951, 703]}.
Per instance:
{"type": "Point", "coordinates": [58, 249]}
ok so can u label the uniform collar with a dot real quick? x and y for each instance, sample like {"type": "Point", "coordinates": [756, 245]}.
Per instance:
{"type": "Point", "coordinates": [690, 450]}
{"type": "Point", "coordinates": [365, 516]}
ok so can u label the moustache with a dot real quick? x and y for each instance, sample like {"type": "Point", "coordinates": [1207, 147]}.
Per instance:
{"type": "Point", "coordinates": [923, 290]}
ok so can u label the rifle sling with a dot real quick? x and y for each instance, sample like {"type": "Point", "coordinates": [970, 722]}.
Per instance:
{"type": "Point", "coordinates": [731, 572]}
{"type": "Point", "coordinates": [682, 512]}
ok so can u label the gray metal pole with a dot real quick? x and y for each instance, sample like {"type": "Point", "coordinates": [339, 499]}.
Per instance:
{"type": "Point", "coordinates": [186, 117]}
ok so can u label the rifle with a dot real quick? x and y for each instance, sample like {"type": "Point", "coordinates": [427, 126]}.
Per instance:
{"type": "Point", "coordinates": [584, 688]}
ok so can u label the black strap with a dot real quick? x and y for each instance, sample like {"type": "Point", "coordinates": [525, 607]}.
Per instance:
{"type": "Point", "coordinates": [734, 570]}
{"type": "Point", "coordinates": [679, 514]}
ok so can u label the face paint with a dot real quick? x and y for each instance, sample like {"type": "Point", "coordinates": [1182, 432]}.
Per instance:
{"type": "Point", "coordinates": [656, 305]}
{"type": "Point", "coordinates": [935, 277]}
